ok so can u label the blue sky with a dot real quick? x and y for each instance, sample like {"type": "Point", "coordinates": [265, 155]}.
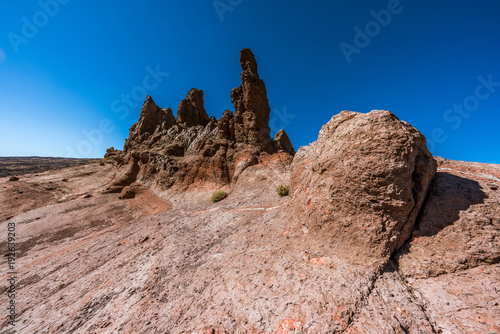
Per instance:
{"type": "Point", "coordinates": [72, 72]}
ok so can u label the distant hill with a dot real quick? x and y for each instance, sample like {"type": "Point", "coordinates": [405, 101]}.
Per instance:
{"type": "Point", "coordinates": [10, 166]}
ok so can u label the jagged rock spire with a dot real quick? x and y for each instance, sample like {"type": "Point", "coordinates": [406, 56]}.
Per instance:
{"type": "Point", "coordinates": [251, 117]}
{"type": "Point", "coordinates": [153, 116]}
{"type": "Point", "coordinates": [151, 120]}
{"type": "Point", "coordinates": [248, 62]}
{"type": "Point", "coordinates": [191, 111]}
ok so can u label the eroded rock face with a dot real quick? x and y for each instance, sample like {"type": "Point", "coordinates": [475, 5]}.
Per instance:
{"type": "Point", "coordinates": [226, 126]}
{"type": "Point", "coordinates": [196, 150]}
{"type": "Point", "coordinates": [312, 262]}
{"type": "Point", "coordinates": [283, 142]}
{"type": "Point", "coordinates": [453, 257]}
{"type": "Point", "coordinates": [191, 111]}
{"type": "Point", "coordinates": [251, 117]}
{"type": "Point", "coordinates": [363, 182]}
{"type": "Point", "coordinates": [152, 121]}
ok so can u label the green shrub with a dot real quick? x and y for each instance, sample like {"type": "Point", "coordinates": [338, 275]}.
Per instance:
{"type": "Point", "coordinates": [218, 195]}
{"type": "Point", "coordinates": [282, 190]}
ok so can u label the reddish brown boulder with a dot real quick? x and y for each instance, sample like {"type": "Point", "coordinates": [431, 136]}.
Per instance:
{"type": "Point", "coordinates": [283, 142]}
{"type": "Point", "coordinates": [127, 192]}
{"type": "Point", "coordinates": [363, 182]}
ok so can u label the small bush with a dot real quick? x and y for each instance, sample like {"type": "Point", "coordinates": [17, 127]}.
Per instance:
{"type": "Point", "coordinates": [282, 190]}
{"type": "Point", "coordinates": [218, 195]}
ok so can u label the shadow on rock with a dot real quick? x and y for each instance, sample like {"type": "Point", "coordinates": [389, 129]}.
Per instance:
{"type": "Point", "coordinates": [449, 195]}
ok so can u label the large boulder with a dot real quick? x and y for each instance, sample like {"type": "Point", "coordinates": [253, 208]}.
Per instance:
{"type": "Point", "coordinates": [363, 182]}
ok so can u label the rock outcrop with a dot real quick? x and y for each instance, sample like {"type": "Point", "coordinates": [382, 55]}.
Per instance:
{"type": "Point", "coordinates": [152, 122]}
{"type": "Point", "coordinates": [196, 150]}
{"type": "Point", "coordinates": [251, 117]}
{"type": "Point", "coordinates": [191, 111]}
{"type": "Point", "coordinates": [283, 143]}
{"type": "Point", "coordinates": [363, 181]}
{"type": "Point", "coordinates": [327, 258]}
{"type": "Point", "coordinates": [375, 236]}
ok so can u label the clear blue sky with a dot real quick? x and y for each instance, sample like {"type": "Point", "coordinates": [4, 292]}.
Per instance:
{"type": "Point", "coordinates": [65, 72]}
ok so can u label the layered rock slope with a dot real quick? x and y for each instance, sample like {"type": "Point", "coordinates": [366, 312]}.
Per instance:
{"type": "Point", "coordinates": [375, 236]}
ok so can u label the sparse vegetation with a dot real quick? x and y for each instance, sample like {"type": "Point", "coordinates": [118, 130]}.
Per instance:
{"type": "Point", "coordinates": [282, 190]}
{"type": "Point", "coordinates": [218, 195]}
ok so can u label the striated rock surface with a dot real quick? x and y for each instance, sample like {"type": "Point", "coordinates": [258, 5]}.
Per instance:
{"type": "Point", "coordinates": [174, 262]}
{"type": "Point", "coordinates": [374, 237]}
{"type": "Point", "coordinates": [453, 257]}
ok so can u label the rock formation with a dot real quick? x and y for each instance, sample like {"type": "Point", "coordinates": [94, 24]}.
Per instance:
{"type": "Point", "coordinates": [191, 111]}
{"type": "Point", "coordinates": [325, 259]}
{"type": "Point", "coordinates": [363, 181]}
{"type": "Point", "coordinates": [283, 143]}
{"type": "Point", "coordinates": [375, 236]}
{"type": "Point", "coordinates": [196, 150]}
{"type": "Point", "coordinates": [152, 122]}
{"type": "Point", "coordinates": [252, 110]}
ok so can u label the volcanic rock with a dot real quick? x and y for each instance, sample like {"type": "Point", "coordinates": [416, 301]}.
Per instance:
{"type": "Point", "coordinates": [13, 178]}
{"type": "Point", "coordinates": [251, 117]}
{"type": "Point", "coordinates": [370, 239]}
{"type": "Point", "coordinates": [191, 111]}
{"type": "Point", "coordinates": [127, 192]}
{"type": "Point", "coordinates": [113, 155]}
{"type": "Point", "coordinates": [283, 142]}
{"type": "Point", "coordinates": [363, 182]}
{"type": "Point", "coordinates": [196, 150]}
{"type": "Point", "coordinates": [226, 126]}
{"type": "Point", "coordinates": [152, 122]}
{"type": "Point", "coordinates": [316, 261]}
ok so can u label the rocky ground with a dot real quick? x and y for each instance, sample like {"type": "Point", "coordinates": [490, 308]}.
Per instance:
{"type": "Point", "coordinates": [11, 166]}
{"type": "Point", "coordinates": [159, 263]}
{"type": "Point", "coordinates": [375, 236]}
